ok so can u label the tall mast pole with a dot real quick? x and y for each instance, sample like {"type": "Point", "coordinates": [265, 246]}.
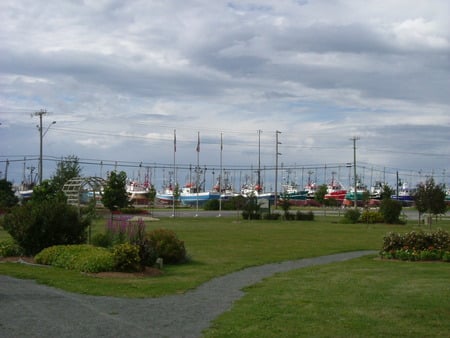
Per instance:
{"type": "Point", "coordinates": [354, 139]}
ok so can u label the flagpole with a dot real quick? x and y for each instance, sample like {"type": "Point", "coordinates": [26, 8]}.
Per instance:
{"type": "Point", "coordinates": [220, 177]}
{"type": "Point", "coordinates": [174, 171]}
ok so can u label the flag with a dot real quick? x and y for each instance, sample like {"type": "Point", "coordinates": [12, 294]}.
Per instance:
{"type": "Point", "coordinates": [174, 141]}
{"type": "Point", "coordinates": [198, 143]}
{"type": "Point", "coordinates": [221, 143]}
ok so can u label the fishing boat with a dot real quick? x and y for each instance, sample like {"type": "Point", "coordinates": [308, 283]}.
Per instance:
{"type": "Point", "coordinates": [138, 192]}
{"type": "Point", "coordinates": [335, 190]}
{"type": "Point", "coordinates": [361, 192]}
{"type": "Point", "coordinates": [404, 194]}
{"type": "Point", "coordinates": [248, 190]}
{"type": "Point", "coordinates": [376, 190]}
{"type": "Point", "coordinates": [291, 193]}
{"type": "Point", "coordinates": [191, 195]}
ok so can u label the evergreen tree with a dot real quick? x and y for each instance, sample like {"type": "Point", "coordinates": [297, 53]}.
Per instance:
{"type": "Point", "coordinates": [115, 194]}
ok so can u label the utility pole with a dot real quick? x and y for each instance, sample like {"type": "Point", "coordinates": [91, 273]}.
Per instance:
{"type": "Point", "coordinates": [40, 114]}
{"type": "Point", "coordinates": [354, 139]}
{"type": "Point", "coordinates": [258, 181]}
{"type": "Point", "coordinates": [276, 167]}
{"type": "Point", "coordinates": [41, 136]}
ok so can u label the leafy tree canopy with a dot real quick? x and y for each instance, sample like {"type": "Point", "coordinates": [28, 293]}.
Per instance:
{"type": "Point", "coordinates": [67, 169]}
{"type": "Point", "coordinates": [115, 194]}
{"type": "Point", "coordinates": [430, 198]}
{"type": "Point", "coordinates": [7, 197]}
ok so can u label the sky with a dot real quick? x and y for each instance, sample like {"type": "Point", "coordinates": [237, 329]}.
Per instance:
{"type": "Point", "coordinates": [122, 78]}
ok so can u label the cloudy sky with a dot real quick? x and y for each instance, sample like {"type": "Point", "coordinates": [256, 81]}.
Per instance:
{"type": "Point", "coordinates": [119, 77]}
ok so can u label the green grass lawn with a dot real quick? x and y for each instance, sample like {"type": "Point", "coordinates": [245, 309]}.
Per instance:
{"type": "Point", "coordinates": [362, 297]}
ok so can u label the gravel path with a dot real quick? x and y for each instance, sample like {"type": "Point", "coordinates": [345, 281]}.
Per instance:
{"type": "Point", "coordinates": [28, 309]}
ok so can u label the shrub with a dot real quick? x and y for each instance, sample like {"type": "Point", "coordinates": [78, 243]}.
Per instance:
{"type": "Point", "coordinates": [38, 225]}
{"type": "Point", "coordinates": [309, 216]}
{"type": "Point", "coordinates": [9, 248]}
{"type": "Point", "coordinates": [167, 245]}
{"type": "Point", "coordinates": [126, 257]}
{"type": "Point", "coordinates": [352, 216]}
{"type": "Point", "coordinates": [85, 258]}
{"type": "Point", "coordinates": [104, 240]}
{"type": "Point", "coordinates": [272, 216]}
{"type": "Point", "coordinates": [371, 217]}
{"type": "Point", "coordinates": [391, 211]}
{"type": "Point", "coordinates": [211, 205]}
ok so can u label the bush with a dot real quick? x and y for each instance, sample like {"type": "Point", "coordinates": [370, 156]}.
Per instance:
{"type": "Point", "coordinates": [211, 205]}
{"type": "Point", "coordinates": [300, 216]}
{"type": "Point", "coordinates": [104, 240]}
{"type": "Point", "coordinates": [85, 258]}
{"type": "Point", "coordinates": [126, 257]}
{"type": "Point", "coordinates": [417, 246]}
{"type": "Point", "coordinates": [167, 246]}
{"type": "Point", "coordinates": [352, 216]}
{"type": "Point", "coordinates": [273, 216]}
{"type": "Point", "coordinates": [391, 211]}
{"type": "Point", "coordinates": [38, 225]}
{"type": "Point", "coordinates": [371, 217]}
{"type": "Point", "coordinates": [9, 248]}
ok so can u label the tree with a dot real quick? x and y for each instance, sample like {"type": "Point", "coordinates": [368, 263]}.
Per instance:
{"type": "Point", "coordinates": [320, 193]}
{"type": "Point", "coordinates": [7, 197]}
{"type": "Point", "coordinates": [430, 198]}
{"type": "Point", "coordinates": [47, 191]}
{"type": "Point", "coordinates": [67, 169]}
{"type": "Point", "coordinates": [391, 210]}
{"type": "Point", "coordinates": [386, 192]}
{"type": "Point", "coordinates": [115, 194]}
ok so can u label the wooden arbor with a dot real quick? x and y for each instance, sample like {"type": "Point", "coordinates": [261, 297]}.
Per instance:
{"type": "Point", "coordinates": [80, 190]}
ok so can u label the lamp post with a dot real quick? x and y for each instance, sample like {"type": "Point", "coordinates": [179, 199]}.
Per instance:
{"type": "Point", "coordinates": [41, 137]}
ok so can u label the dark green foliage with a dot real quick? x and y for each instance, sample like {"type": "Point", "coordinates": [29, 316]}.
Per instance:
{"type": "Point", "coordinates": [7, 197]}
{"type": "Point", "coordinates": [47, 191]}
{"type": "Point", "coordinates": [386, 192]}
{"type": "Point", "coordinates": [167, 246]}
{"type": "Point", "coordinates": [9, 248]}
{"type": "Point", "coordinates": [251, 209]}
{"type": "Point", "coordinates": [272, 216]}
{"type": "Point", "coordinates": [36, 226]}
{"type": "Point", "coordinates": [371, 217]}
{"type": "Point", "coordinates": [115, 194]}
{"type": "Point", "coordinates": [391, 211]}
{"type": "Point", "coordinates": [430, 198]}
{"type": "Point", "coordinates": [66, 169]}
{"type": "Point", "coordinates": [85, 258]}
{"type": "Point", "coordinates": [211, 205]}
{"type": "Point", "coordinates": [126, 257]}
{"type": "Point", "coordinates": [234, 203]}
{"type": "Point", "coordinates": [301, 216]}
{"type": "Point", "coordinates": [104, 240]}
{"type": "Point", "coordinates": [321, 191]}
{"type": "Point", "coordinates": [352, 216]}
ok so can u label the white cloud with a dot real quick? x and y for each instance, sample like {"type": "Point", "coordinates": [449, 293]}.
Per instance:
{"type": "Point", "coordinates": [320, 72]}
